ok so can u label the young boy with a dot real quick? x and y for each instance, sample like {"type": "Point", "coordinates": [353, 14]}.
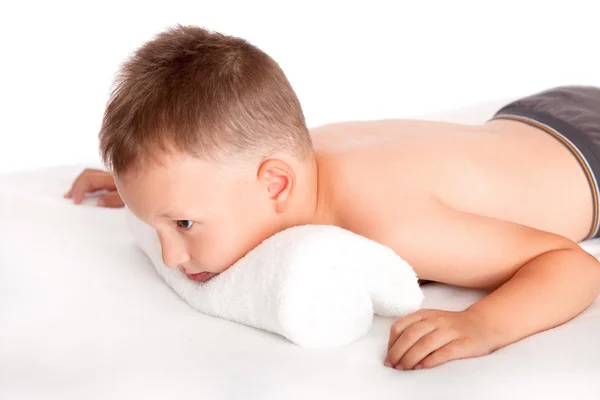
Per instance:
{"type": "Point", "coordinates": [206, 141]}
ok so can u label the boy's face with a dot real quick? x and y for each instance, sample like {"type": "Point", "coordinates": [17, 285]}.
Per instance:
{"type": "Point", "coordinates": [207, 216]}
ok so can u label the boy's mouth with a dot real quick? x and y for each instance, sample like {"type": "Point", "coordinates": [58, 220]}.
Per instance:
{"type": "Point", "coordinates": [201, 277]}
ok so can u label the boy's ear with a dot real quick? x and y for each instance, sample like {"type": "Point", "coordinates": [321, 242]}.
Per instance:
{"type": "Point", "coordinates": [278, 179]}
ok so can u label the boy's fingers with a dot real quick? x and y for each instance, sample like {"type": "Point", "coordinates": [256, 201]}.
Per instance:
{"type": "Point", "coordinates": [82, 175]}
{"type": "Point", "coordinates": [426, 345]}
{"type": "Point", "coordinates": [454, 350]}
{"type": "Point", "coordinates": [69, 194]}
{"type": "Point", "coordinates": [111, 200]}
{"type": "Point", "coordinates": [407, 340]}
{"type": "Point", "coordinates": [92, 183]}
{"type": "Point", "coordinates": [401, 325]}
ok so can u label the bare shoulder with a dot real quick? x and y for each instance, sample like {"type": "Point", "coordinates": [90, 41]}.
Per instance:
{"type": "Point", "coordinates": [377, 171]}
{"type": "Point", "coordinates": [362, 192]}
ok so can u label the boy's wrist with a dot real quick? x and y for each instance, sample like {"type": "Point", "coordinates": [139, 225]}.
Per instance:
{"type": "Point", "coordinates": [497, 334]}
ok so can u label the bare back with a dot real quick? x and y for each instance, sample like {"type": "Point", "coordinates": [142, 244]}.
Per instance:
{"type": "Point", "coordinates": [379, 173]}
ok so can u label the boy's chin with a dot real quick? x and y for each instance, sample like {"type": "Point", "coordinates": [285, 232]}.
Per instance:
{"type": "Point", "coordinates": [201, 277]}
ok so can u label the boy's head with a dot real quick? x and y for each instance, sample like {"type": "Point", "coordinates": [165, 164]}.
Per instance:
{"type": "Point", "coordinates": [208, 144]}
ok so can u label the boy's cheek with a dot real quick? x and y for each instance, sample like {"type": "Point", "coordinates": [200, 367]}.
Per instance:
{"type": "Point", "coordinates": [216, 255]}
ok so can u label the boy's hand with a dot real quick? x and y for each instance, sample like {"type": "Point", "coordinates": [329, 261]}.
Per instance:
{"type": "Point", "coordinates": [93, 180]}
{"type": "Point", "coordinates": [428, 338]}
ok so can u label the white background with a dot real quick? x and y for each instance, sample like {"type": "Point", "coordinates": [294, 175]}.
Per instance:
{"type": "Point", "coordinates": [346, 60]}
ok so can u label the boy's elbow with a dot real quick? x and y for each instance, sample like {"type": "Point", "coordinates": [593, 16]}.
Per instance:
{"type": "Point", "coordinates": [577, 256]}
{"type": "Point", "coordinates": [567, 256]}
{"type": "Point", "coordinates": [585, 265]}
{"type": "Point", "coordinates": [590, 269]}
{"type": "Point", "coordinates": [592, 263]}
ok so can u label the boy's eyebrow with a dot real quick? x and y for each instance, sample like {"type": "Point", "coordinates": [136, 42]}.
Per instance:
{"type": "Point", "coordinates": [168, 214]}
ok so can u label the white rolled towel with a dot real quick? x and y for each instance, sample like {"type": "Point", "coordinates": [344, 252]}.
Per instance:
{"type": "Point", "coordinates": [317, 286]}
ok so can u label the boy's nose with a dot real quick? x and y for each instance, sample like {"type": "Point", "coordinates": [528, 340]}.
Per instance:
{"type": "Point", "coordinates": [172, 260]}
{"type": "Point", "coordinates": [173, 254]}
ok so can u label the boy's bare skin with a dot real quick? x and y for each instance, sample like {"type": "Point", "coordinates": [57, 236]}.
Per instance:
{"type": "Point", "coordinates": [498, 206]}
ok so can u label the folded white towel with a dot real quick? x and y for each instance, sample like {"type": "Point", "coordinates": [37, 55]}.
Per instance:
{"type": "Point", "coordinates": [317, 286]}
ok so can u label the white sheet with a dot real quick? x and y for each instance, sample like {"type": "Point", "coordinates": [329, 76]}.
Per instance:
{"type": "Point", "coordinates": [83, 315]}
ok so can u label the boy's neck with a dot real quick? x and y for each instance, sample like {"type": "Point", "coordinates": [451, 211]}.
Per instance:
{"type": "Point", "coordinates": [311, 202]}
{"type": "Point", "coordinates": [318, 209]}
{"type": "Point", "coordinates": [323, 214]}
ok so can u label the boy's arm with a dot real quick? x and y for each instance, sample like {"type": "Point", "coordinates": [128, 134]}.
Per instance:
{"type": "Point", "coordinates": [542, 280]}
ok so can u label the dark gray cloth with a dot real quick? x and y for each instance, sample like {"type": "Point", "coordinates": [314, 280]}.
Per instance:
{"type": "Point", "coordinates": [572, 115]}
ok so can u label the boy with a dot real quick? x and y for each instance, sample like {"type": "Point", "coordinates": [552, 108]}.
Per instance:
{"type": "Point", "coordinates": [206, 142]}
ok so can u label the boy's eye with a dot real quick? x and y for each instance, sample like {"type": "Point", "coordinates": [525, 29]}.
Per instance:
{"type": "Point", "coordinates": [185, 223]}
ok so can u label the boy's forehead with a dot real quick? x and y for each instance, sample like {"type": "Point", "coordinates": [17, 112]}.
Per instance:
{"type": "Point", "coordinates": [182, 175]}
{"type": "Point", "coordinates": [155, 194]}
{"type": "Point", "coordinates": [171, 168]}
